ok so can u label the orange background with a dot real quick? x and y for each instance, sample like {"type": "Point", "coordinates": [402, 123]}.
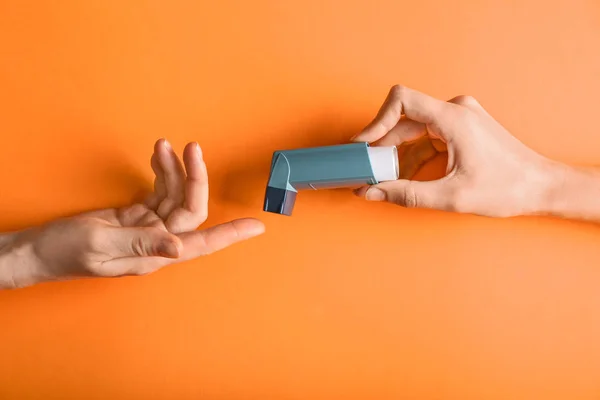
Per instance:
{"type": "Point", "coordinates": [345, 299]}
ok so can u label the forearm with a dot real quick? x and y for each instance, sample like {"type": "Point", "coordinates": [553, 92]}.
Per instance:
{"type": "Point", "coordinates": [6, 272]}
{"type": "Point", "coordinates": [18, 263]}
{"type": "Point", "coordinates": [575, 193]}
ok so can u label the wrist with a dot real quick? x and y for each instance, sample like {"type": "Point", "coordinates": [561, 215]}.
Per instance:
{"type": "Point", "coordinates": [555, 175]}
{"type": "Point", "coordinates": [539, 183]}
{"type": "Point", "coordinates": [6, 261]}
{"type": "Point", "coordinates": [573, 192]}
{"type": "Point", "coordinates": [18, 264]}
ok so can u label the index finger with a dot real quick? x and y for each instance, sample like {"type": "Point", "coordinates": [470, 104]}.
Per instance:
{"type": "Point", "coordinates": [400, 101]}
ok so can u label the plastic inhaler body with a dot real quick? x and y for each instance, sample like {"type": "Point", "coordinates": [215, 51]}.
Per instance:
{"type": "Point", "coordinates": [326, 167]}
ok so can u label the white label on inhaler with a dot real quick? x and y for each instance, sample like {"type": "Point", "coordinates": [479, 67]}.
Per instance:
{"type": "Point", "coordinates": [384, 162]}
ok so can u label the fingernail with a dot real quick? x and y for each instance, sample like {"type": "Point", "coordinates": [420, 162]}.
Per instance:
{"type": "Point", "coordinates": [168, 249]}
{"type": "Point", "coordinates": [167, 144]}
{"type": "Point", "coordinates": [198, 150]}
{"type": "Point", "coordinates": [374, 194]}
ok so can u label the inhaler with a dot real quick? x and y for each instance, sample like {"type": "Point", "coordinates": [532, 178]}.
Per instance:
{"type": "Point", "coordinates": [326, 167]}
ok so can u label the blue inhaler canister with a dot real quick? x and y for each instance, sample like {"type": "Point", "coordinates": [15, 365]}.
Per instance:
{"type": "Point", "coordinates": [326, 167]}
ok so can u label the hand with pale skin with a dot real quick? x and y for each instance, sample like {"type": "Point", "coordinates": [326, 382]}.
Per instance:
{"type": "Point", "coordinates": [134, 240]}
{"type": "Point", "coordinates": [489, 171]}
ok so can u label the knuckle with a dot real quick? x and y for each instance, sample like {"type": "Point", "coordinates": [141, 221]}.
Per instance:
{"type": "Point", "coordinates": [398, 91]}
{"type": "Point", "coordinates": [465, 100]}
{"type": "Point", "coordinates": [138, 247]}
{"type": "Point", "coordinates": [236, 230]}
{"type": "Point", "coordinates": [202, 244]}
{"type": "Point", "coordinates": [407, 197]}
{"type": "Point", "coordinates": [410, 198]}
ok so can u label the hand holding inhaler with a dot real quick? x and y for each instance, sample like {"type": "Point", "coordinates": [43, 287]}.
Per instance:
{"type": "Point", "coordinates": [489, 171]}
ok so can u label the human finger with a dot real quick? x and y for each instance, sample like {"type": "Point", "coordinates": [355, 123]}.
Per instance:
{"type": "Point", "coordinates": [194, 210]}
{"type": "Point", "coordinates": [400, 101]}
{"type": "Point", "coordinates": [174, 178]}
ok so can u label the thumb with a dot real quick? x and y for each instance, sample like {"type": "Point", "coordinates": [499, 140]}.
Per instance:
{"type": "Point", "coordinates": [142, 242]}
{"type": "Point", "coordinates": [412, 194]}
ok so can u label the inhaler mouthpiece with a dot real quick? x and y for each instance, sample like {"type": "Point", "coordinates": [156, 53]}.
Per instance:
{"type": "Point", "coordinates": [384, 162]}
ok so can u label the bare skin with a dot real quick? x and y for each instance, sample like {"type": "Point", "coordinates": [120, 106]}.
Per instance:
{"type": "Point", "coordinates": [489, 171]}
{"type": "Point", "coordinates": [134, 240]}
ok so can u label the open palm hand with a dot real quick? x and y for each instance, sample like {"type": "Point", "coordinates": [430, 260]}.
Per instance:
{"type": "Point", "coordinates": [137, 239]}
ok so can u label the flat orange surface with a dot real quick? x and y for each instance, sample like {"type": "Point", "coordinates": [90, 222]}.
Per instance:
{"type": "Point", "coordinates": [344, 300]}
